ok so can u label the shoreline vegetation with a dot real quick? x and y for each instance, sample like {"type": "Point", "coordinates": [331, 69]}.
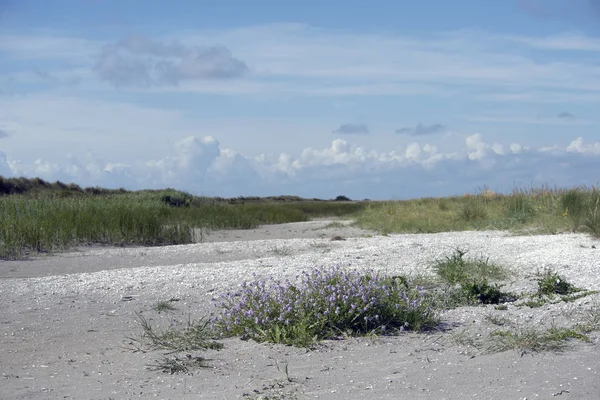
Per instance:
{"type": "Point", "coordinates": [41, 217]}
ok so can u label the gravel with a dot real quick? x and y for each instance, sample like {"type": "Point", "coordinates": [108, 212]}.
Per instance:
{"type": "Point", "coordinates": [571, 255]}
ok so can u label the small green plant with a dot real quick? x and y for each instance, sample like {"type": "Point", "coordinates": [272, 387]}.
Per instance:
{"type": "Point", "coordinates": [164, 306]}
{"type": "Point", "coordinates": [323, 304]}
{"type": "Point", "coordinates": [551, 283]}
{"type": "Point", "coordinates": [486, 293]}
{"type": "Point", "coordinates": [456, 269]}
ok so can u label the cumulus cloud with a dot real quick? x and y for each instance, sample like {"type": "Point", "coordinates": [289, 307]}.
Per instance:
{"type": "Point", "coordinates": [143, 62]}
{"type": "Point", "coordinates": [421, 130]}
{"type": "Point", "coordinates": [577, 146]}
{"type": "Point", "coordinates": [352, 129]}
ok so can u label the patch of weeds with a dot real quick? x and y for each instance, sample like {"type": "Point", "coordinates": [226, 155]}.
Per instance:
{"type": "Point", "coordinates": [501, 307]}
{"type": "Point", "coordinates": [551, 283]}
{"type": "Point", "coordinates": [486, 293]}
{"type": "Point", "coordinates": [175, 364]}
{"type": "Point", "coordinates": [533, 340]}
{"type": "Point", "coordinates": [567, 333]}
{"type": "Point", "coordinates": [577, 296]}
{"type": "Point", "coordinates": [322, 304]}
{"type": "Point", "coordinates": [195, 335]}
{"type": "Point", "coordinates": [164, 306]}
{"type": "Point", "coordinates": [456, 269]}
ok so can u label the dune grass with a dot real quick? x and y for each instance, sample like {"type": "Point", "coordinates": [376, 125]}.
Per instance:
{"type": "Point", "coordinates": [45, 221]}
{"type": "Point", "coordinates": [45, 217]}
{"type": "Point", "coordinates": [534, 211]}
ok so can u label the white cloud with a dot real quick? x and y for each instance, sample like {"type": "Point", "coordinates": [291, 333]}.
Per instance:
{"type": "Point", "coordinates": [201, 165]}
{"type": "Point", "coordinates": [577, 146]}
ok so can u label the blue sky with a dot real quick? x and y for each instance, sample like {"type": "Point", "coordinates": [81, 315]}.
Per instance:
{"type": "Point", "coordinates": [370, 99]}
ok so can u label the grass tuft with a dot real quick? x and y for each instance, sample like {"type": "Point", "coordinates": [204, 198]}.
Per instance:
{"type": "Point", "coordinates": [164, 306]}
{"type": "Point", "coordinates": [533, 340]}
{"type": "Point", "coordinates": [456, 269]}
{"type": "Point", "coordinates": [176, 364]}
{"type": "Point", "coordinates": [194, 335]}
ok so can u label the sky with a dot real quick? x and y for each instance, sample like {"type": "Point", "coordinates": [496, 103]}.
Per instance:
{"type": "Point", "coordinates": [378, 99]}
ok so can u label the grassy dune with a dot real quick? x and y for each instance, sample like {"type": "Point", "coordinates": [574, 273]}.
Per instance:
{"type": "Point", "coordinates": [534, 211]}
{"type": "Point", "coordinates": [41, 220]}
{"type": "Point", "coordinates": [37, 216]}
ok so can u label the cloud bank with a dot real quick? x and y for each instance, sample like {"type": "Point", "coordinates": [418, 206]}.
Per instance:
{"type": "Point", "coordinates": [203, 166]}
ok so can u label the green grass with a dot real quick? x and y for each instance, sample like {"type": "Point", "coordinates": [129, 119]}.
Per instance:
{"type": "Point", "coordinates": [537, 210]}
{"type": "Point", "coordinates": [456, 268]}
{"type": "Point", "coordinates": [48, 221]}
{"type": "Point", "coordinates": [46, 217]}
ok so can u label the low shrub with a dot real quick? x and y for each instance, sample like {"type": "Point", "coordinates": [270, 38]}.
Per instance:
{"type": "Point", "coordinates": [324, 303]}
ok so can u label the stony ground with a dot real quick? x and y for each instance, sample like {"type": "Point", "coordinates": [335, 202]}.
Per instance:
{"type": "Point", "coordinates": [58, 342]}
